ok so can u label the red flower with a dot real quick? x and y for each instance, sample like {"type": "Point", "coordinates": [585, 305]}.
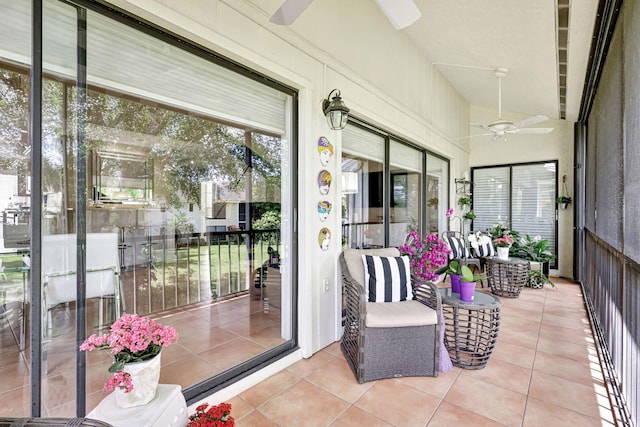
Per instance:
{"type": "Point", "coordinates": [216, 416]}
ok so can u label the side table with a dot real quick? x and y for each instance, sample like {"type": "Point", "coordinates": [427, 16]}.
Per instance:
{"type": "Point", "coordinates": [167, 408]}
{"type": "Point", "coordinates": [471, 328]}
{"type": "Point", "coordinates": [507, 277]}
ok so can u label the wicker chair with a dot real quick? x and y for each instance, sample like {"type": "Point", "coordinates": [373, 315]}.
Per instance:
{"type": "Point", "coordinates": [389, 351]}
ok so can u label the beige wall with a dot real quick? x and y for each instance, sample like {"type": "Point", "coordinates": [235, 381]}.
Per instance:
{"type": "Point", "coordinates": [557, 145]}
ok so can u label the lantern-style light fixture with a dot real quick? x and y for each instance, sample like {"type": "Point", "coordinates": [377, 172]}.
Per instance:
{"type": "Point", "coordinates": [335, 111]}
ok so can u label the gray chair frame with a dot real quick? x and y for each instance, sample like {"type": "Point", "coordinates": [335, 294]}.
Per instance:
{"type": "Point", "coordinates": [377, 353]}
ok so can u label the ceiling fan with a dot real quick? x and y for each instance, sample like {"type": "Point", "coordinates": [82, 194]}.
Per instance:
{"type": "Point", "coordinates": [401, 13]}
{"type": "Point", "coordinates": [501, 128]}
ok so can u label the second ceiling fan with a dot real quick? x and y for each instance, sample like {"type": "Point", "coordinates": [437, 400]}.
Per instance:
{"type": "Point", "coordinates": [501, 128]}
{"type": "Point", "coordinates": [401, 13]}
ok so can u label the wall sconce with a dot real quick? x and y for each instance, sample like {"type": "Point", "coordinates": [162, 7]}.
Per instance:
{"type": "Point", "coordinates": [336, 112]}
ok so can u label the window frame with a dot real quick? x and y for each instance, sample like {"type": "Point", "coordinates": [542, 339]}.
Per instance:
{"type": "Point", "coordinates": [554, 262]}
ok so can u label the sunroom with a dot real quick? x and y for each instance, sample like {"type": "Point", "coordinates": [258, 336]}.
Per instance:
{"type": "Point", "coordinates": [173, 160]}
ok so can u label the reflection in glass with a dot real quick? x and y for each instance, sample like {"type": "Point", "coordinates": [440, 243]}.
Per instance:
{"type": "Point", "coordinates": [187, 198]}
{"type": "Point", "coordinates": [363, 188]}
{"type": "Point", "coordinates": [406, 196]}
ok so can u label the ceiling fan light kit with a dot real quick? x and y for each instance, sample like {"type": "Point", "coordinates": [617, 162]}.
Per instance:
{"type": "Point", "coordinates": [501, 128]}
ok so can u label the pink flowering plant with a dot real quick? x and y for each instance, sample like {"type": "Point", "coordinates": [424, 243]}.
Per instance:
{"type": "Point", "coordinates": [132, 339]}
{"type": "Point", "coordinates": [426, 254]}
{"type": "Point", "coordinates": [503, 242]}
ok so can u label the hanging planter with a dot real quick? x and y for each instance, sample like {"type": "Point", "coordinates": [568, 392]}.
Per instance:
{"type": "Point", "coordinates": [563, 201]}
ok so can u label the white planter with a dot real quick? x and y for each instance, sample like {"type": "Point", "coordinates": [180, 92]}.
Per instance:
{"type": "Point", "coordinates": [145, 377]}
{"type": "Point", "coordinates": [503, 253]}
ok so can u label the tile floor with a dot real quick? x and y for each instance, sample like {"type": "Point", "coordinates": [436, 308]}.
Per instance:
{"type": "Point", "coordinates": [544, 371]}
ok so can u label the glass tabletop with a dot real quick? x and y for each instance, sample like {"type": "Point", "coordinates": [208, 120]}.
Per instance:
{"type": "Point", "coordinates": [479, 298]}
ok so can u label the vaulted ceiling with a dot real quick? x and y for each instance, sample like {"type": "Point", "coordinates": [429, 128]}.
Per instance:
{"type": "Point", "coordinates": [544, 44]}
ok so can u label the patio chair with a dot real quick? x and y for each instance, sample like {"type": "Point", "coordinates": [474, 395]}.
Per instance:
{"type": "Point", "coordinates": [60, 281]}
{"type": "Point", "coordinates": [388, 339]}
{"type": "Point", "coordinates": [460, 250]}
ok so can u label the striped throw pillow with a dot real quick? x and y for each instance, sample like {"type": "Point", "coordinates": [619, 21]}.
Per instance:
{"type": "Point", "coordinates": [387, 279]}
{"type": "Point", "coordinates": [485, 250]}
{"type": "Point", "coordinates": [457, 248]}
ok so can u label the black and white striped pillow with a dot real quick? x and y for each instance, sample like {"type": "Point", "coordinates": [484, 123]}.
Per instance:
{"type": "Point", "coordinates": [387, 279]}
{"type": "Point", "coordinates": [485, 250]}
{"type": "Point", "coordinates": [457, 248]}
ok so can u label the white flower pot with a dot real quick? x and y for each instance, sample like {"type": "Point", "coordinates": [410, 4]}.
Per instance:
{"type": "Point", "coordinates": [145, 377]}
{"type": "Point", "coordinates": [503, 253]}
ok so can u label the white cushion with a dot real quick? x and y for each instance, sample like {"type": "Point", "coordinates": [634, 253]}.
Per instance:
{"type": "Point", "coordinates": [387, 279]}
{"type": "Point", "coordinates": [399, 314]}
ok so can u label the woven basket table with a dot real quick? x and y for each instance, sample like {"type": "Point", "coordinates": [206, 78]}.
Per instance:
{"type": "Point", "coordinates": [471, 328]}
{"type": "Point", "coordinates": [507, 277]}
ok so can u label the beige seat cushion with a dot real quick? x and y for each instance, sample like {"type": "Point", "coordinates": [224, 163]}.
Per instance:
{"type": "Point", "coordinates": [399, 314]}
{"type": "Point", "coordinates": [353, 258]}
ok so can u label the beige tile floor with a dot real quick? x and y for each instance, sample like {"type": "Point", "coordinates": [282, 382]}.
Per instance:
{"type": "Point", "coordinates": [544, 371]}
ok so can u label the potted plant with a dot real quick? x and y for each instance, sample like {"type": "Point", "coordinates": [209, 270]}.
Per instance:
{"type": "Point", "coordinates": [426, 254]}
{"type": "Point", "coordinates": [219, 415]}
{"type": "Point", "coordinates": [536, 250]}
{"type": "Point", "coordinates": [537, 279]}
{"type": "Point", "coordinates": [464, 201]}
{"type": "Point", "coordinates": [135, 343]}
{"type": "Point", "coordinates": [469, 215]}
{"type": "Point", "coordinates": [503, 244]}
{"type": "Point", "coordinates": [563, 201]}
{"type": "Point", "coordinates": [468, 283]}
{"type": "Point", "coordinates": [455, 272]}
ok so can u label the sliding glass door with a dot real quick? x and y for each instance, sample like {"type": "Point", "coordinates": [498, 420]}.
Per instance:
{"type": "Point", "coordinates": [161, 186]}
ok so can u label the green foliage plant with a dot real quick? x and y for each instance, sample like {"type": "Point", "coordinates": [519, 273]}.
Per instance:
{"type": "Point", "coordinates": [464, 201]}
{"type": "Point", "coordinates": [469, 215]}
{"type": "Point", "coordinates": [533, 249]}
{"type": "Point", "coordinates": [468, 276]}
{"type": "Point", "coordinates": [455, 268]}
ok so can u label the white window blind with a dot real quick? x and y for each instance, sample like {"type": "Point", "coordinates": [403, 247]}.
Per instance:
{"type": "Point", "coordinates": [521, 197]}
{"type": "Point", "coordinates": [533, 210]}
{"type": "Point", "coordinates": [490, 197]}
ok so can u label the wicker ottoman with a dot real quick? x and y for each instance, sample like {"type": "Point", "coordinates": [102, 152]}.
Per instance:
{"type": "Point", "coordinates": [507, 277]}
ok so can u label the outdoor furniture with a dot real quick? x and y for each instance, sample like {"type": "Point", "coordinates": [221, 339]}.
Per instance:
{"type": "Point", "coordinates": [507, 277]}
{"type": "Point", "coordinates": [388, 339]}
{"type": "Point", "coordinates": [471, 328]}
{"type": "Point", "coordinates": [460, 250]}
{"type": "Point", "coordinates": [167, 408]}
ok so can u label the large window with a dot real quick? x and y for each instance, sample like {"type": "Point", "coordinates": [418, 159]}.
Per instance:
{"type": "Point", "coordinates": [519, 197]}
{"type": "Point", "coordinates": [165, 167]}
{"type": "Point", "coordinates": [383, 189]}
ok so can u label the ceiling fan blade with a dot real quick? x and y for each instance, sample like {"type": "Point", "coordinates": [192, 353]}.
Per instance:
{"type": "Point", "coordinates": [481, 126]}
{"type": "Point", "coordinates": [289, 11]}
{"type": "Point", "coordinates": [531, 121]}
{"type": "Point", "coordinates": [401, 13]}
{"type": "Point", "coordinates": [475, 135]}
{"type": "Point", "coordinates": [533, 130]}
